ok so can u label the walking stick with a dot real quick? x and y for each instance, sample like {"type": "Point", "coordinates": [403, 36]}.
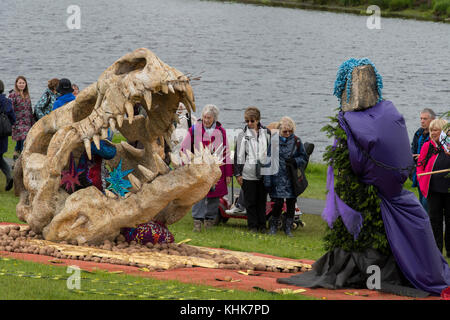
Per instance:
{"type": "Point", "coordinates": [433, 172]}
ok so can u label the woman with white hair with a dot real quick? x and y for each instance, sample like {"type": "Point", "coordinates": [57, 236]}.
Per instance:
{"type": "Point", "coordinates": [435, 187]}
{"type": "Point", "coordinates": [208, 131]}
{"type": "Point", "coordinates": [279, 185]}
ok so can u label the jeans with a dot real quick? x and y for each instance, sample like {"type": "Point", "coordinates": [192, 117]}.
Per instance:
{"type": "Point", "coordinates": [207, 208]}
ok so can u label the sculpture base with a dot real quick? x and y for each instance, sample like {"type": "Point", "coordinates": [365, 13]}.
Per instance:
{"type": "Point", "coordinates": [340, 269]}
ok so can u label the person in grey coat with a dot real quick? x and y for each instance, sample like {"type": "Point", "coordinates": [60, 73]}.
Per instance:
{"type": "Point", "coordinates": [279, 185]}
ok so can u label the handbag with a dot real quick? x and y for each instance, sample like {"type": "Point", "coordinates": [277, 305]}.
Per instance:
{"type": "Point", "coordinates": [5, 125]}
{"type": "Point", "coordinates": [296, 175]}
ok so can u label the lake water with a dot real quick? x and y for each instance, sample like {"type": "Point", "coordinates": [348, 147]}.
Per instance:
{"type": "Point", "coordinates": [283, 61]}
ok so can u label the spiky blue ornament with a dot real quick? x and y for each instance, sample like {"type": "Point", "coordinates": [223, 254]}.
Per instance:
{"type": "Point", "coordinates": [117, 183]}
{"type": "Point", "coordinates": [344, 76]}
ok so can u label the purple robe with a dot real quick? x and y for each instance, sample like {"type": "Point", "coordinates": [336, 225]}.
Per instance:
{"type": "Point", "coordinates": [380, 132]}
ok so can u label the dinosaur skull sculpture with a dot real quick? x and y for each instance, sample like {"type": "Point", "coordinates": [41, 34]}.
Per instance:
{"type": "Point", "coordinates": [158, 193]}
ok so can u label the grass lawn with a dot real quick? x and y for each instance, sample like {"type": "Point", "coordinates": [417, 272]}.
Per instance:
{"type": "Point", "coordinates": [23, 280]}
{"type": "Point", "coordinates": [306, 244]}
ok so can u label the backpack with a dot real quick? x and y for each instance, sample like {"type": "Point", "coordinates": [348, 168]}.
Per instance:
{"type": "Point", "coordinates": [5, 124]}
{"type": "Point", "coordinates": [296, 175]}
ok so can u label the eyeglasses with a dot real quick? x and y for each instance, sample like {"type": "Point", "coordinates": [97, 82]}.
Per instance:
{"type": "Point", "coordinates": [286, 131]}
{"type": "Point", "coordinates": [251, 121]}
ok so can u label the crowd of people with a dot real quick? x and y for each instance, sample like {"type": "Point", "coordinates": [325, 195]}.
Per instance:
{"type": "Point", "coordinates": [252, 155]}
{"type": "Point", "coordinates": [431, 153]}
{"type": "Point", "coordinates": [22, 116]}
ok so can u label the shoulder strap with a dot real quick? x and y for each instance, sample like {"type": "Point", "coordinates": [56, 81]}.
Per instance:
{"type": "Point", "coordinates": [48, 99]}
{"type": "Point", "coordinates": [193, 138]}
{"type": "Point", "coordinates": [296, 144]}
{"type": "Point", "coordinates": [189, 120]}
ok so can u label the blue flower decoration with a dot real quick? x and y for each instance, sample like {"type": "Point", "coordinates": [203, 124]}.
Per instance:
{"type": "Point", "coordinates": [344, 76]}
{"type": "Point", "coordinates": [117, 183]}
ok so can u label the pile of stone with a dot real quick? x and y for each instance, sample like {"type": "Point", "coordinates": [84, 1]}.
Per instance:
{"type": "Point", "coordinates": [23, 240]}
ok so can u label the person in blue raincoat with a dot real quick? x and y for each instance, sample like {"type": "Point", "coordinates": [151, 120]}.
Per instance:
{"type": "Point", "coordinates": [279, 185]}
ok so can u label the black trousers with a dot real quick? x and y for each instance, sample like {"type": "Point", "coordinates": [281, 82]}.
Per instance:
{"type": "Point", "coordinates": [439, 211]}
{"type": "Point", "coordinates": [278, 206]}
{"type": "Point", "coordinates": [255, 203]}
{"type": "Point", "coordinates": [4, 167]}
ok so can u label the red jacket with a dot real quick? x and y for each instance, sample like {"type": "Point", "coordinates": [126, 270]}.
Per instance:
{"type": "Point", "coordinates": [221, 135]}
{"type": "Point", "coordinates": [424, 181]}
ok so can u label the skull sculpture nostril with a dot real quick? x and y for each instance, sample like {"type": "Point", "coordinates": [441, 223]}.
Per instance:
{"type": "Point", "coordinates": [79, 127]}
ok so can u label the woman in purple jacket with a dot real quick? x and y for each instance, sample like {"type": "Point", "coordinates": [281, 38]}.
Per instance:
{"type": "Point", "coordinates": [208, 131]}
{"type": "Point", "coordinates": [6, 108]}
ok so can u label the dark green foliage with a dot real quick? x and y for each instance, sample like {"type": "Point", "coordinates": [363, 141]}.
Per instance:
{"type": "Point", "coordinates": [350, 3]}
{"type": "Point", "coordinates": [383, 4]}
{"type": "Point", "coordinates": [441, 7]}
{"type": "Point", "coordinates": [358, 196]}
{"type": "Point", "coordinates": [397, 5]}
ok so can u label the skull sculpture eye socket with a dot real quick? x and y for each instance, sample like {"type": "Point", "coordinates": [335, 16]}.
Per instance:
{"type": "Point", "coordinates": [89, 215]}
{"type": "Point", "coordinates": [125, 67]}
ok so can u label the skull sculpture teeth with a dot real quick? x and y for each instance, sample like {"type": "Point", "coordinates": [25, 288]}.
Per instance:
{"type": "Point", "coordinates": [158, 193]}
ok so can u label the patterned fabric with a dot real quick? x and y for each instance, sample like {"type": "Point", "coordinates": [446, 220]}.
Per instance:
{"type": "Point", "coordinates": [24, 116]}
{"type": "Point", "coordinates": [153, 231]}
{"type": "Point", "coordinates": [45, 104]}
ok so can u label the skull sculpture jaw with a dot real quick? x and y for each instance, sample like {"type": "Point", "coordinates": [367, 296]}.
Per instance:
{"type": "Point", "coordinates": [88, 215]}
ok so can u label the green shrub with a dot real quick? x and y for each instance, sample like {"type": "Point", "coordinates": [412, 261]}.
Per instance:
{"type": "Point", "coordinates": [441, 7]}
{"type": "Point", "coordinates": [383, 4]}
{"type": "Point", "coordinates": [397, 5]}
{"type": "Point", "coordinates": [320, 2]}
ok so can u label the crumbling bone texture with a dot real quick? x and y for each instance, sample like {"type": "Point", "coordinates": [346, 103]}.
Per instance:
{"type": "Point", "coordinates": [364, 93]}
{"type": "Point", "coordinates": [88, 215]}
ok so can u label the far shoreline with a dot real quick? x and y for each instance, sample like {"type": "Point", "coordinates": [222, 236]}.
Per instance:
{"type": "Point", "coordinates": [413, 14]}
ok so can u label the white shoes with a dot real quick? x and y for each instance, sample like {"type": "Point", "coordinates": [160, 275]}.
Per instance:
{"type": "Point", "coordinates": [236, 211]}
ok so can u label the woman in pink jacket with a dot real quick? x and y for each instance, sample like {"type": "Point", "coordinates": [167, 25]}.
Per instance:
{"type": "Point", "coordinates": [435, 187]}
{"type": "Point", "coordinates": [209, 131]}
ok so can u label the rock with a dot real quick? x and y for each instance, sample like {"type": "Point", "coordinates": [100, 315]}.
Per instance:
{"type": "Point", "coordinates": [364, 93]}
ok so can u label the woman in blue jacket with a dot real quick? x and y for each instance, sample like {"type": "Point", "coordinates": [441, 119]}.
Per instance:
{"type": "Point", "coordinates": [6, 107]}
{"type": "Point", "coordinates": [279, 185]}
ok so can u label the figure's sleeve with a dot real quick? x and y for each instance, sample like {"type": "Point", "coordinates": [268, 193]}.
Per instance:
{"type": "Point", "coordinates": [107, 151]}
